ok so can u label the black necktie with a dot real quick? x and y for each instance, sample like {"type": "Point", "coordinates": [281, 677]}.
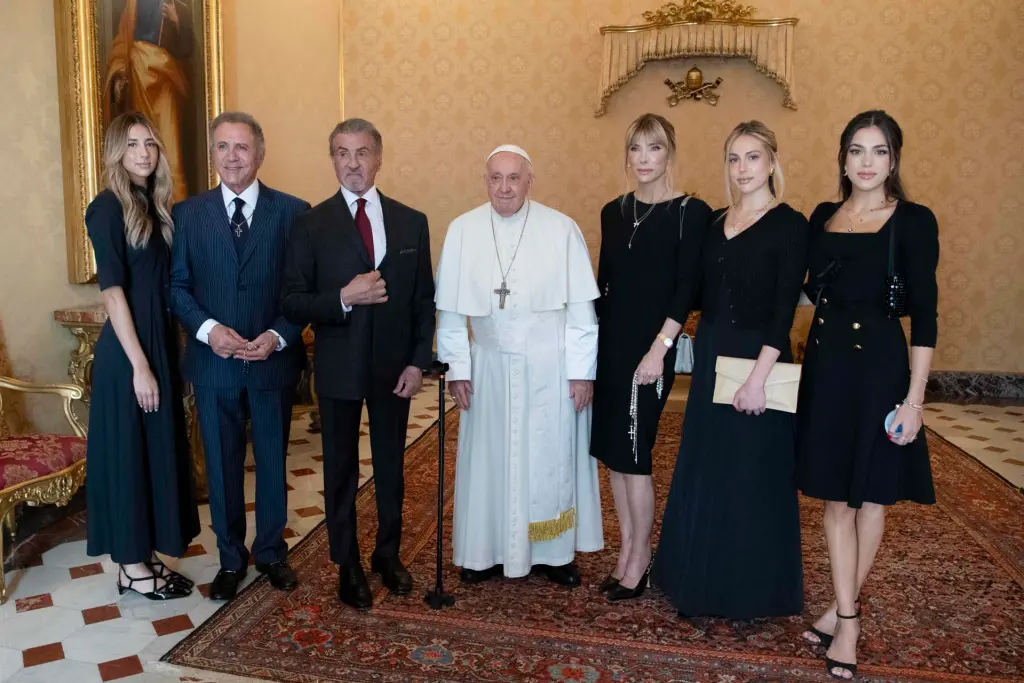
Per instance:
{"type": "Point", "coordinates": [239, 226]}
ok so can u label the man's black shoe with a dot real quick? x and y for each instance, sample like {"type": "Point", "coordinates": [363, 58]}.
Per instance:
{"type": "Point", "coordinates": [225, 585]}
{"type": "Point", "coordinates": [564, 575]}
{"type": "Point", "coordinates": [480, 575]}
{"type": "Point", "coordinates": [280, 574]}
{"type": "Point", "coordinates": [393, 574]}
{"type": "Point", "coordinates": [353, 589]}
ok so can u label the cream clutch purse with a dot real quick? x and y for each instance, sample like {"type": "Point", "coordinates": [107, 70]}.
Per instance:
{"type": "Point", "coordinates": [780, 389]}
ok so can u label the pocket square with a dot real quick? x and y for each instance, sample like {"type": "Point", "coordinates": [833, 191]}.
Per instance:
{"type": "Point", "coordinates": [411, 250]}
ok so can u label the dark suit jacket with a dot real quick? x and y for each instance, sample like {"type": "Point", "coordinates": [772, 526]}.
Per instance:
{"type": "Point", "coordinates": [209, 280]}
{"type": "Point", "coordinates": [370, 345]}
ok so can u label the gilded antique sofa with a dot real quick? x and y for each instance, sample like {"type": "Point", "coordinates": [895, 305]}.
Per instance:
{"type": "Point", "coordinates": [38, 468]}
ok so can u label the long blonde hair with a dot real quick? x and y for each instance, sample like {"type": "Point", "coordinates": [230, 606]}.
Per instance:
{"type": "Point", "coordinates": [655, 128]}
{"type": "Point", "coordinates": [138, 227]}
{"type": "Point", "coordinates": [764, 134]}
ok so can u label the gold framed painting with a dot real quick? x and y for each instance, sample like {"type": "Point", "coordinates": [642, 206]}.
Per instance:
{"type": "Point", "coordinates": [159, 57]}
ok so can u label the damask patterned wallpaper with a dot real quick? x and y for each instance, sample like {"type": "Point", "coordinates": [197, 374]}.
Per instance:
{"type": "Point", "coordinates": [33, 266]}
{"type": "Point", "coordinates": [448, 81]}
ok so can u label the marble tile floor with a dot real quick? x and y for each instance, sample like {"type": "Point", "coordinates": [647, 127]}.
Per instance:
{"type": "Point", "coordinates": [65, 622]}
{"type": "Point", "coordinates": [993, 434]}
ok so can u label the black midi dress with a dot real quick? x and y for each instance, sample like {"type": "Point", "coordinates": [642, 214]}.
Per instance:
{"type": "Point", "coordinates": [140, 492]}
{"type": "Point", "coordinates": [645, 275]}
{"type": "Point", "coordinates": [857, 368]}
{"type": "Point", "coordinates": [730, 534]}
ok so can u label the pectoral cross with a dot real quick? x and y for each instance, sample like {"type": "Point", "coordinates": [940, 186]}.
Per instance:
{"type": "Point", "coordinates": [502, 292]}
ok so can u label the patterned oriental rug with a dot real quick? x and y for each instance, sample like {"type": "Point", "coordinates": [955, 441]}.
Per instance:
{"type": "Point", "coordinates": [945, 602]}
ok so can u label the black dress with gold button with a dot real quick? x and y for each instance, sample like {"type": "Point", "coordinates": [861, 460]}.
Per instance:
{"type": "Point", "coordinates": [730, 535]}
{"type": "Point", "coordinates": [857, 367]}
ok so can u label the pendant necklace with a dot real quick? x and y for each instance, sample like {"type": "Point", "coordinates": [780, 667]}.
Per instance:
{"type": "Point", "coordinates": [237, 226]}
{"type": "Point", "coordinates": [753, 218]}
{"type": "Point", "coordinates": [849, 215]}
{"type": "Point", "coordinates": [638, 221]}
{"type": "Point", "coordinates": [504, 291]}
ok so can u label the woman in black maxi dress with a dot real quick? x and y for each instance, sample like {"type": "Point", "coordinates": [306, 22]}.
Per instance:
{"type": "Point", "coordinates": [647, 276]}
{"type": "Point", "coordinates": [730, 534]}
{"type": "Point", "coordinates": [857, 369]}
{"type": "Point", "coordinates": [139, 481]}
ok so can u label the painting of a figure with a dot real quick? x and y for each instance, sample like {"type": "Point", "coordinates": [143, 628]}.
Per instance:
{"type": "Point", "coordinates": [162, 58]}
{"type": "Point", "coordinates": [151, 56]}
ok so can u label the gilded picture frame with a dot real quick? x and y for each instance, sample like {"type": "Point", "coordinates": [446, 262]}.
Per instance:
{"type": "Point", "coordinates": [111, 57]}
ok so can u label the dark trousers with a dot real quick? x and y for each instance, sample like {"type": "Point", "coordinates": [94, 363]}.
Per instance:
{"type": "Point", "coordinates": [389, 418]}
{"type": "Point", "coordinates": [222, 414]}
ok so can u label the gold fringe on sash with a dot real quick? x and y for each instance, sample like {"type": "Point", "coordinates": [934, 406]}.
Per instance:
{"type": "Point", "coordinates": [553, 528]}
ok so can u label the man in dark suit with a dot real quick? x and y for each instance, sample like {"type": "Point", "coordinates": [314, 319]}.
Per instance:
{"type": "Point", "coordinates": [243, 357]}
{"type": "Point", "coordinates": [359, 269]}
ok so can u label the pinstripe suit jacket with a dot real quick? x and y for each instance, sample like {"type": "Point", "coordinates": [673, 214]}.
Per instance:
{"type": "Point", "coordinates": [209, 280]}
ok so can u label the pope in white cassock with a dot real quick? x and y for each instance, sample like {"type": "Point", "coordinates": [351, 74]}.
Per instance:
{"type": "Point", "coordinates": [515, 292]}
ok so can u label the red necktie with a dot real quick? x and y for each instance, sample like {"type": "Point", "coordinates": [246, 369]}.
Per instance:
{"type": "Point", "coordinates": [363, 223]}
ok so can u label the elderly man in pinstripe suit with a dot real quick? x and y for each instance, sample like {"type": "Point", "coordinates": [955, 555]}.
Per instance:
{"type": "Point", "coordinates": [243, 357]}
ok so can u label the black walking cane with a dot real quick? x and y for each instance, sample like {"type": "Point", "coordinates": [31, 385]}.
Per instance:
{"type": "Point", "coordinates": [437, 598]}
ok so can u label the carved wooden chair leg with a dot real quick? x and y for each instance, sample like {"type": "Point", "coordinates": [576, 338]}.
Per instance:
{"type": "Point", "coordinates": [10, 522]}
{"type": "Point", "coordinates": [6, 512]}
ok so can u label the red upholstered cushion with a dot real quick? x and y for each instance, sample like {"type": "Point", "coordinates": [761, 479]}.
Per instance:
{"type": "Point", "coordinates": [23, 458]}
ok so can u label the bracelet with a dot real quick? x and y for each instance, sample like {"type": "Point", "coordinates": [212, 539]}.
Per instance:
{"type": "Point", "coordinates": [913, 406]}
{"type": "Point", "coordinates": [923, 379]}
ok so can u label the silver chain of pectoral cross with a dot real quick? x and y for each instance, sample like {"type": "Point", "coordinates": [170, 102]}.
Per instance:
{"type": "Point", "coordinates": [504, 291]}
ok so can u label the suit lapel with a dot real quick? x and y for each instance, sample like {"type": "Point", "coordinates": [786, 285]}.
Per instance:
{"type": "Point", "coordinates": [347, 226]}
{"type": "Point", "coordinates": [219, 220]}
{"type": "Point", "coordinates": [385, 209]}
{"type": "Point", "coordinates": [262, 217]}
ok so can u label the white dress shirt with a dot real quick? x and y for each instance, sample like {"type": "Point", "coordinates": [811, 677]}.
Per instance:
{"type": "Point", "coordinates": [376, 215]}
{"type": "Point", "coordinates": [249, 195]}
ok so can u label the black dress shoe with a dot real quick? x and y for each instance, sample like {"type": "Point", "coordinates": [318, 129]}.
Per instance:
{"type": "Point", "coordinates": [280, 574]}
{"type": "Point", "coordinates": [393, 574]}
{"type": "Point", "coordinates": [480, 575]}
{"type": "Point", "coordinates": [565, 575]}
{"type": "Point", "coordinates": [353, 589]}
{"type": "Point", "coordinates": [225, 585]}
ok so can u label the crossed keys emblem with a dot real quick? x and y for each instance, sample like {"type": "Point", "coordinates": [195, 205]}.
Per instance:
{"type": "Point", "coordinates": [693, 87]}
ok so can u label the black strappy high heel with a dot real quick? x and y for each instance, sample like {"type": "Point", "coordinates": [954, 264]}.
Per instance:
{"type": "Point", "coordinates": [824, 639]}
{"type": "Point", "coordinates": [831, 664]}
{"type": "Point", "coordinates": [620, 592]}
{"type": "Point", "coordinates": [166, 573]}
{"type": "Point", "coordinates": [169, 591]}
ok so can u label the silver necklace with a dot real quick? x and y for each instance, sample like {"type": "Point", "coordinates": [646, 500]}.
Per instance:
{"type": "Point", "coordinates": [504, 291]}
{"type": "Point", "coordinates": [638, 221]}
